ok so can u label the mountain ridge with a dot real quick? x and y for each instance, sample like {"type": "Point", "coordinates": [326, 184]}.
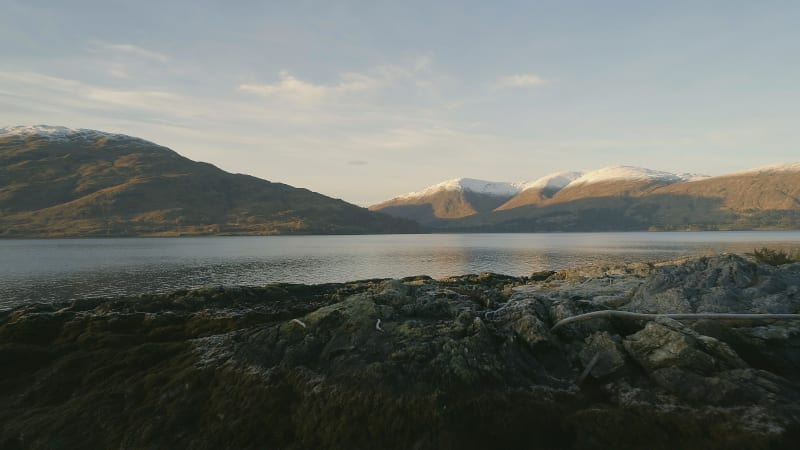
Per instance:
{"type": "Point", "coordinates": [620, 198]}
{"type": "Point", "coordinates": [557, 180]}
{"type": "Point", "coordinates": [63, 182]}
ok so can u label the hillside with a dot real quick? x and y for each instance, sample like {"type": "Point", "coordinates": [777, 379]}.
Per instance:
{"type": "Point", "coordinates": [59, 182]}
{"type": "Point", "coordinates": [452, 199]}
{"type": "Point", "coordinates": [540, 191]}
{"type": "Point", "coordinates": [623, 198]}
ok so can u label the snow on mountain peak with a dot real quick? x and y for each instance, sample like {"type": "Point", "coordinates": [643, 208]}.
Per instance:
{"type": "Point", "coordinates": [693, 176]}
{"type": "Point", "coordinates": [56, 132]}
{"type": "Point", "coordinates": [783, 167]}
{"type": "Point", "coordinates": [554, 181]}
{"type": "Point", "coordinates": [42, 130]}
{"type": "Point", "coordinates": [499, 189]}
{"type": "Point", "coordinates": [559, 180]}
{"type": "Point", "coordinates": [615, 173]}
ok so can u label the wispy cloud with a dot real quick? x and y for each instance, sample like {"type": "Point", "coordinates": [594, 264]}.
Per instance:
{"type": "Point", "coordinates": [292, 88]}
{"type": "Point", "coordinates": [520, 81]}
{"type": "Point", "coordinates": [126, 61]}
{"type": "Point", "coordinates": [139, 99]}
{"type": "Point", "coordinates": [132, 50]}
{"type": "Point", "coordinates": [387, 110]}
{"type": "Point", "coordinates": [420, 137]}
{"type": "Point", "coordinates": [416, 74]}
{"type": "Point", "coordinates": [58, 95]}
{"type": "Point", "coordinates": [37, 86]}
{"type": "Point", "coordinates": [118, 71]}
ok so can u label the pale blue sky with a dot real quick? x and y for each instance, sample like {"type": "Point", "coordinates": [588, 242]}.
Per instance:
{"type": "Point", "coordinates": [365, 100]}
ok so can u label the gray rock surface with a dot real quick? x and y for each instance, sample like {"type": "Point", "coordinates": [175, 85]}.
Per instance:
{"type": "Point", "coordinates": [609, 352]}
{"type": "Point", "coordinates": [727, 283]}
{"type": "Point", "coordinates": [463, 362]}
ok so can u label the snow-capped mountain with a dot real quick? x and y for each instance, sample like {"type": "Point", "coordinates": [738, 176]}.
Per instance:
{"type": "Point", "coordinates": [539, 191]}
{"type": "Point", "coordinates": [499, 189]}
{"type": "Point", "coordinates": [627, 173]}
{"type": "Point", "coordinates": [613, 181]}
{"type": "Point", "coordinates": [549, 183]}
{"type": "Point", "coordinates": [451, 199]}
{"type": "Point", "coordinates": [446, 202]}
{"type": "Point", "coordinates": [613, 198]}
{"type": "Point", "coordinates": [553, 181]}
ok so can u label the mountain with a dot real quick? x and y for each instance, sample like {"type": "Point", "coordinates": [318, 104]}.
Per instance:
{"type": "Point", "coordinates": [540, 191]}
{"type": "Point", "coordinates": [62, 182]}
{"type": "Point", "coordinates": [604, 182]}
{"type": "Point", "coordinates": [465, 197]}
{"type": "Point", "coordinates": [633, 198]}
{"type": "Point", "coordinates": [773, 187]}
{"type": "Point", "coordinates": [452, 199]}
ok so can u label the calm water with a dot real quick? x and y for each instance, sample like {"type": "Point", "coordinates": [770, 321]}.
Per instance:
{"type": "Point", "coordinates": [51, 270]}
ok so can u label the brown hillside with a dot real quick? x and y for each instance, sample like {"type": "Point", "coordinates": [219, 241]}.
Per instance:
{"type": "Point", "coordinates": [95, 184]}
{"type": "Point", "coordinates": [744, 192]}
{"type": "Point", "coordinates": [615, 188]}
{"type": "Point", "coordinates": [533, 196]}
{"type": "Point", "coordinates": [444, 204]}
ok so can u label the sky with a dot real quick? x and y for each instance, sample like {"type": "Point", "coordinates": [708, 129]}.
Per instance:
{"type": "Point", "coordinates": [365, 100]}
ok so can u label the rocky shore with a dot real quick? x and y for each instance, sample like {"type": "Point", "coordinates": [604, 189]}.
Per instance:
{"type": "Point", "coordinates": [462, 362]}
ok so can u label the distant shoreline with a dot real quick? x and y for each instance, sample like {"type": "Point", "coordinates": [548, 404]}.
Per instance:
{"type": "Point", "coordinates": [440, 231]}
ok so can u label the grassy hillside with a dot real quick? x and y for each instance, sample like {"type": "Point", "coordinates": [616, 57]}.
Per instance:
{"type": "Point", "coordinates": [95, 184]}
{"type": "Point", "coordinates": [657, 211]}
{"type": "Point", "coordinates": [436, 208]}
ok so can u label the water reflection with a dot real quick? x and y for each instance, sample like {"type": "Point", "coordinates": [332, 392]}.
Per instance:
{"type": "Point", "coordinates": [52, 270]}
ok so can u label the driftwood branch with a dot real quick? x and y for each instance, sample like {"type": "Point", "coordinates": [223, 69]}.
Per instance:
{"type": "Point", "coordinates": [683, 316]}
{"type": "Point", "coordinates": [588, 369]}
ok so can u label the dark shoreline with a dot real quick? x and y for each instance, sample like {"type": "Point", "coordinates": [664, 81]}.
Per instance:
{"type": "Point", "coordinates": [461, 362]}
